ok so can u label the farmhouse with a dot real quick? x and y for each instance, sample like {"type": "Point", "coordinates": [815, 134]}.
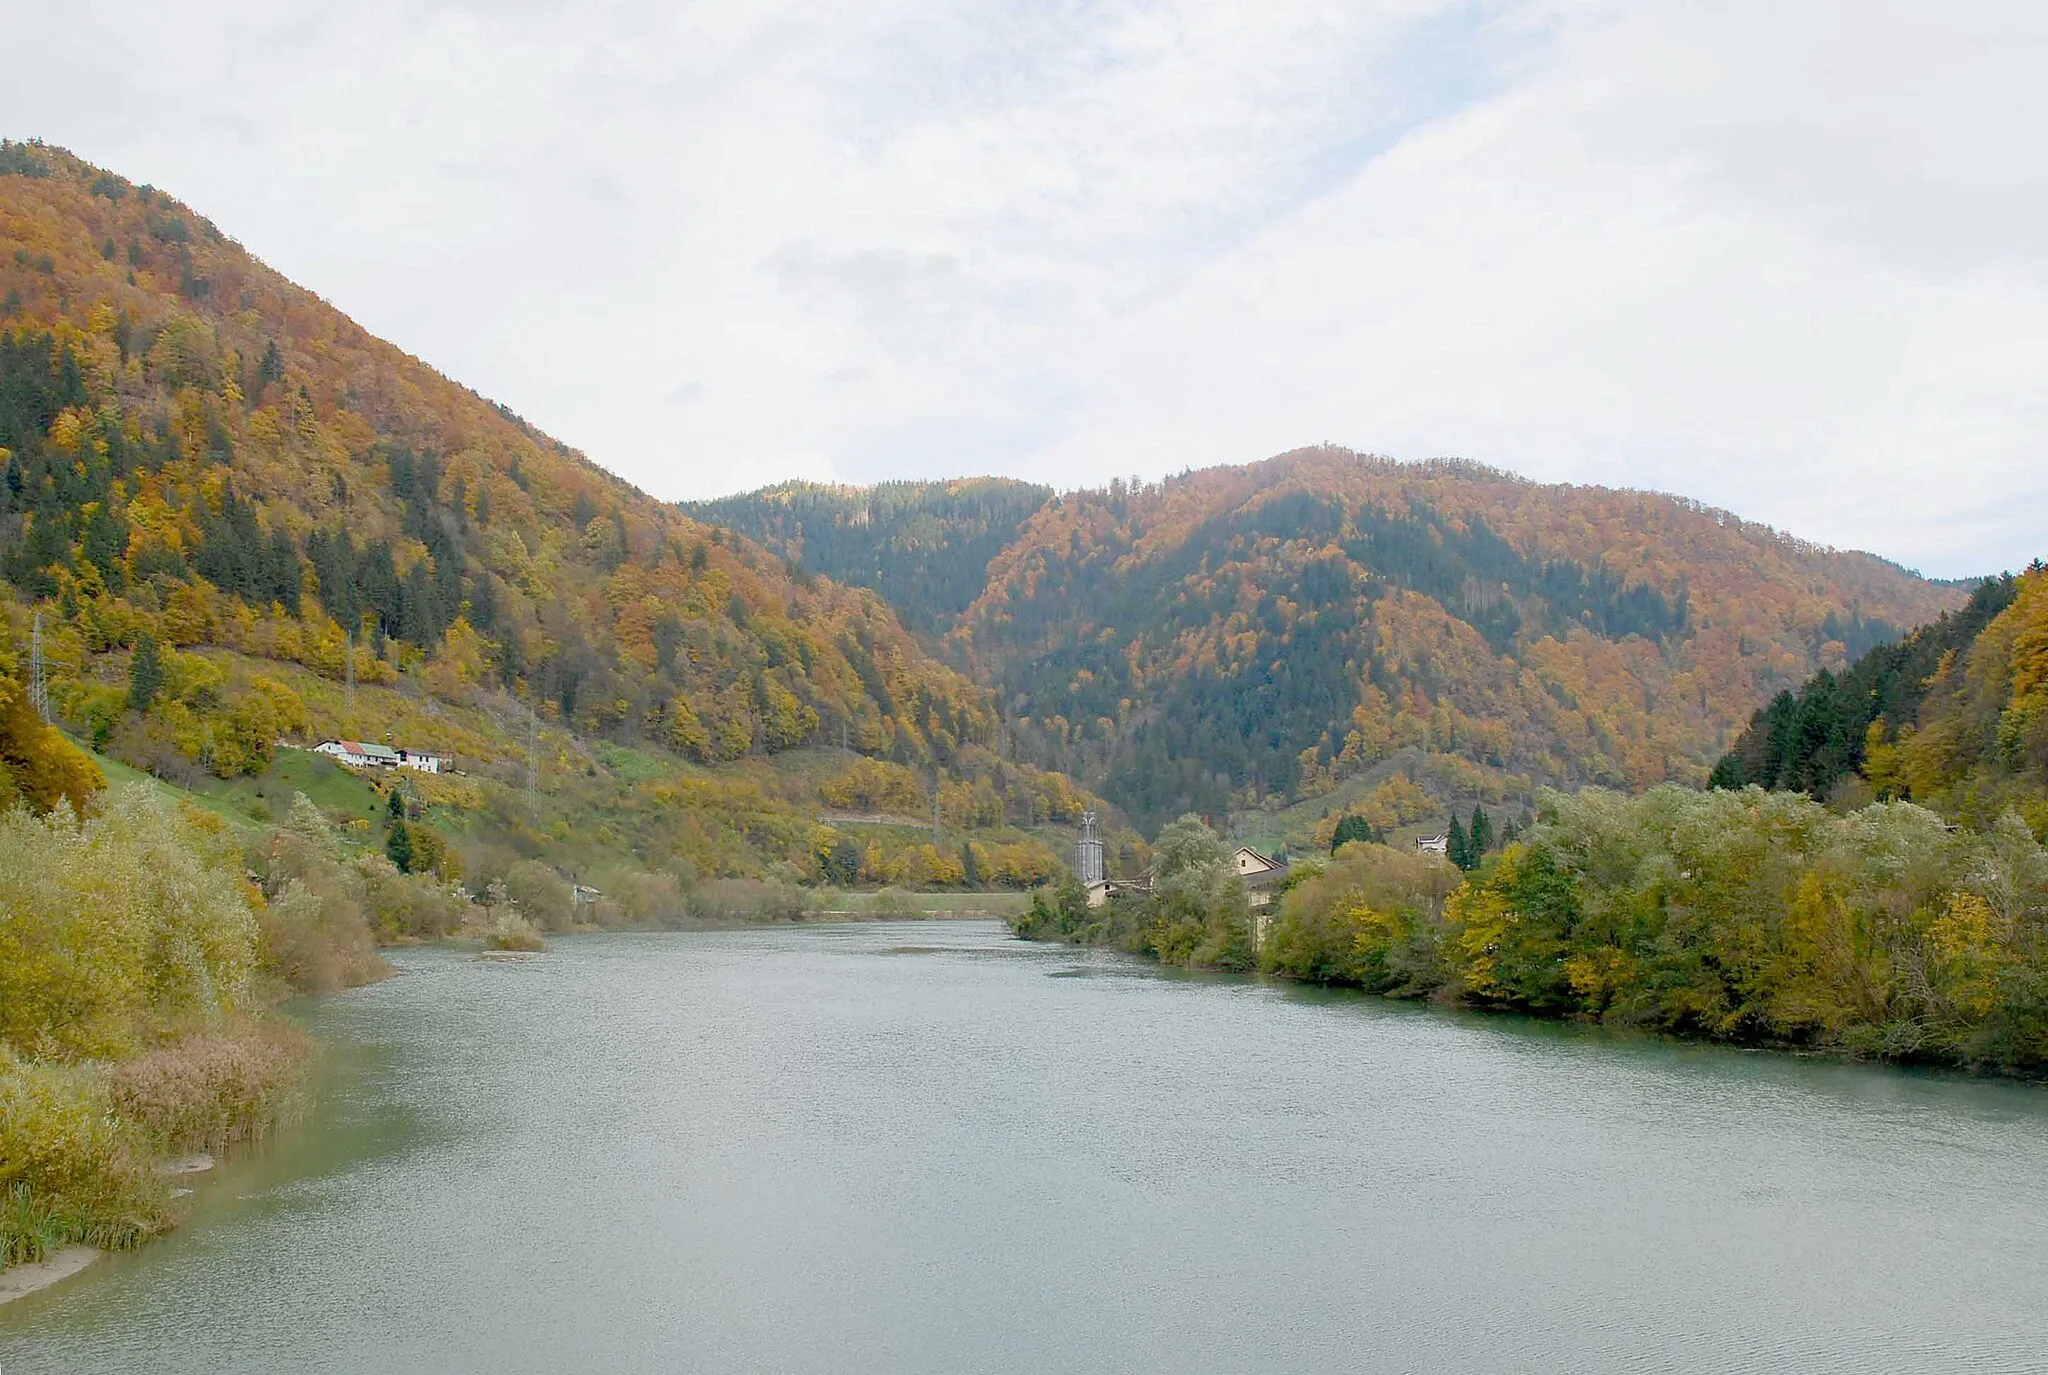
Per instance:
{"type": "Point", "coordinates": [1433, 845]}
{"type": "Point", "coordinates": [365, 754]}
{"type": "Point", "coordinates": [359, 754]}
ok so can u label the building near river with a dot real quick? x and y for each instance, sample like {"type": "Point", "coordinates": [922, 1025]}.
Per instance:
{"type": "Point", "coordinates": [1261, 873]}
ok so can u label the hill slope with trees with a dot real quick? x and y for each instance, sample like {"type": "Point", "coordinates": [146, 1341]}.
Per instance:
{"type": "Point", "coordinates": [925, 546]}
{"type": "Point", "coordinates": [1280, 639]}
{"type": "Point", "coordinates": [1250, 637]}
{"type": "Point", "coordinates": [225, 499]}
{"type": "Point", "coordinates": [1954, 716]}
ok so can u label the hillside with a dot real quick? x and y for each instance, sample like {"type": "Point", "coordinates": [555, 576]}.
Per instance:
{"type": "Point", "coordinates": [925, 546]}
{"type": "Point", "coordinates": [1249, 637]}
{"type": "Point", "coordinates": [1282, 640]}
{"type": "Point", "coordinates": [1954, 716]}
{"type": "Point", "coordinates": [300, 530]}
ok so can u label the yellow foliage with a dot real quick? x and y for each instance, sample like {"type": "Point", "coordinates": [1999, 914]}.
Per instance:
{"type": "Point", "coordinates": [874, 785]}
{"type": "Point", "coordinates": [116, 928]}
{"type": "Point", "coordinates": [38, 766]}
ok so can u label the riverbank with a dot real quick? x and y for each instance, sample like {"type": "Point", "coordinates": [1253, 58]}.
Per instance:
{"type": "Point", "coordinates": [1749, 918]}
{"type": "Point", "coordinates": [93, 1153]}
{"type": "Point", "coordinates": [19, 1281]}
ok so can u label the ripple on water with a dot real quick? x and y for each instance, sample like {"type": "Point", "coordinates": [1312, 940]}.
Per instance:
{"type": "Point", "coordinates": [771, 1150]}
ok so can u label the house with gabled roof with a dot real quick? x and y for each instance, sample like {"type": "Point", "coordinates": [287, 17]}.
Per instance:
{"type": "Point", "coordinates": [359, 754]}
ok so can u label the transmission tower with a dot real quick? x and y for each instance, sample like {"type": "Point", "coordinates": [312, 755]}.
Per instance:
{"type": "Point", "coordinates": [38, 688]}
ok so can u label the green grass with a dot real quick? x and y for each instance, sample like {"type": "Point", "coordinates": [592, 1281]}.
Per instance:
{"type": "Point", "coordinates": [330, 786]}
{"type": "Point", "coordinates": [631, 766]}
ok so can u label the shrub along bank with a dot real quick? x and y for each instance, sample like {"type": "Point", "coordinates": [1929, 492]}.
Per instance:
{"type": "Point", "coordinates": [1744, 916]}
{"type": "Point", "coordinates": [137, 958]}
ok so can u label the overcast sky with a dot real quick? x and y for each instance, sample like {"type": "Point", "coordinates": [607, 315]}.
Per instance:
{"type": "Point", "coordinates": [1791, 259]}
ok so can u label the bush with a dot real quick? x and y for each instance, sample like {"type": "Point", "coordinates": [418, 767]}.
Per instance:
{"type": "Point", "coordinates": [70, 1171]}
{"type": "Point", "coordinates": [1373, 917]}
{"type": "Point", "coordinates": [211, 1089]}
{"type": "Point", "coordinates": [131, 924]}
{"type": "Point", "coordinates": [313, 932]}
{"type": "Point", "coordinates": [641, 898]}
{"type": "Point", "coordinates": [752, 900]}
{"type": "Point", "coordinates": [542, 896]}
{"type": "Point", "coordinates": [513, 932]}
{"type": "Point", "coordinates": [402, 907]}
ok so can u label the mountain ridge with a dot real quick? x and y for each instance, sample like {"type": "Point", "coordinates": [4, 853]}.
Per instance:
{"type": "Point", "coordinates": [1503, 602]}
{"type": "Point", "coordinates": [207, 456]}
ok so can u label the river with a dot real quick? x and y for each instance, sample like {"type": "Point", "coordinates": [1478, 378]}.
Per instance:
{"type": "Point", "coordinates": [927, 1147]}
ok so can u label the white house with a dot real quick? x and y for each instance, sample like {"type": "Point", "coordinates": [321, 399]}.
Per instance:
{"type": "Point", "coordinates": [1433, 845]}
{"type": "Point", "coordinates": [363, 754]}
{"type": "Point", "coordinates": [359, 754]}
{"type": "Point", "coordinates": [1252, 865]}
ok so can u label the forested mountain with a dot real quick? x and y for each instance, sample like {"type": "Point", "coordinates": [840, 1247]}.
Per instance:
{"type": "Point", "coordinates": [1954, 715]}
{"type": "Point", "coordinates": [198, 457]}
{"type": "Point", "coordinates": [925, 546]}
{"type": "Point", "coordinates": [1251, 636]}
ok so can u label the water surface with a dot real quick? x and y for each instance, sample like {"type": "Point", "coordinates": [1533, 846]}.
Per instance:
{"type": "Point", "coordinates": [926, 1147]}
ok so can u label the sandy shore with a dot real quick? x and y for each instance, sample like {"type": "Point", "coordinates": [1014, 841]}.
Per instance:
{"type": "Point", "coordinates": [58, 1265]}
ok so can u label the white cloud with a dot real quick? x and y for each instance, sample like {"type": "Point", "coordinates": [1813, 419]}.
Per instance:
{"type": "Point", "coordinates": [1789, 259]}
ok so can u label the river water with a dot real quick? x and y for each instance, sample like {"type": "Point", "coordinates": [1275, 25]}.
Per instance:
{"type": "Point", "coordinates": [927, 1147]}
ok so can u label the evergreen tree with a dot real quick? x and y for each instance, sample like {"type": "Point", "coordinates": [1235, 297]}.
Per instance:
{"type": "Point", "coordinates": [1459, 852]}
{"type": "Point", "coordinates": [1351, 828]}
{"type": "Point", "coordinates": [395, 804]}
{"type": "Point", "coordinates": [970, 867]}
{"type": "Point", "coordinates": [842, 864]}
{"type": "Point", "coordinates": [145, 673]}
{"type": "Point", "coordinates": [398, 844]}
{"type": "Point", "coordinates": [1480, 839]}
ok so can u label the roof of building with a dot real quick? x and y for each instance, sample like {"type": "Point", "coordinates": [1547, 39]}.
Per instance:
{"type": "Point", "coordinates": [364, 748]}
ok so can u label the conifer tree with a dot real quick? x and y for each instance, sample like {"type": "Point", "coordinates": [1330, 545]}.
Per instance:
{"type": "Point", "coordinates": [398, 844]}
{"type": "Point", "coordinates": [145, 674]}
{"type": "Point", "coordinates": [1480, 839]}
{"type": "Point", "coordinates": [1458, 852]}
{"type": "Point", "coordinates": [1350, 828]}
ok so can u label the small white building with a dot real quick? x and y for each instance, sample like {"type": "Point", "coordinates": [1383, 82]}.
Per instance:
{"type": "Point", "coordinates": [364, 754]}
{"type": "Point", "coordinates": [359, 754]}
{"type": "Point", "coordinates": [1433, 845]}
